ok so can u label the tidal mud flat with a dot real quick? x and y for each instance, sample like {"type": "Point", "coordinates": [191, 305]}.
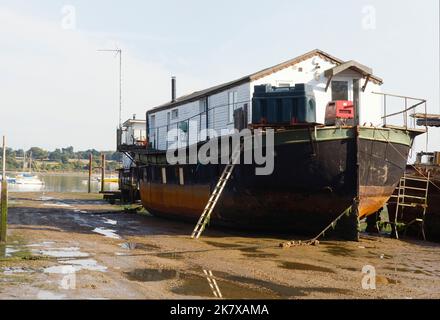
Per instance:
{"type": "Point", "coordinates": [76, 246]}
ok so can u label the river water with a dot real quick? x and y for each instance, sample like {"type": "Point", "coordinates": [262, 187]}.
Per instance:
{"type": "Point", "coordinates": [62, 183]}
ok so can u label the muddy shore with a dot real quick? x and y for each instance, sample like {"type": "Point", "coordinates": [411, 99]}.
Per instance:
{"type": "Point", "coordinates": [75, 246]}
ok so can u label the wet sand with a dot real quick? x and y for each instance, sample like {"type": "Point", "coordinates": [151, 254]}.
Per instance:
{"type": "Point", "coordinates": [75, 246]}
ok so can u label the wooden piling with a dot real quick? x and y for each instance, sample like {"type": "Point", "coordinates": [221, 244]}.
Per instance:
{"type": "Point", "coordinates": [102, 171]}
{"type": "Point", "coordinates": [90, 173]}
{"type": "Point", "coordinates": [4, 197]}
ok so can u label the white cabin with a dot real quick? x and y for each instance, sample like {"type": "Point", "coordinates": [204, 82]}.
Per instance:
{"type": "Point", "coordinates": [331, 79]}
{"type": "Point", "coordinates": [133, 134]}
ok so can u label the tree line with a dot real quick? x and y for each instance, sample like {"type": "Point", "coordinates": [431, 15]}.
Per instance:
{"type": "Point", "coordinates": [60, 159]}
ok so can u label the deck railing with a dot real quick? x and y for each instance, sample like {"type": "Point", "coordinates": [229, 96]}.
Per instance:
{"type": "Point", "coordinates": [411, 106]}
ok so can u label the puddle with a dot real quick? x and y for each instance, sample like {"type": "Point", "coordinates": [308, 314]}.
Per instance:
{"type": "Point", "coordinates": [222, 245]}
{"type": "Point", "coordinates": [170, 255]}
{"type": "Point", "coordinates": [12, 251]}
{"type": "Point", "coordinates": [120, 254]}
{"type": "Point", "coordinates": [66, 269]}
{"type": "Point", "coordinates": [304, 267]}
{"type": "Point", "coordinates": [41, 244]}
{"type": "Point", "coordinates": [283, 291]}
{"type": "Point", "coordinates": [197, 285]}
{"type": "Point", "coordinates": [44, 198]}
{"type": "Point", "coordinates": [148, 275]}
{"type": "Point", "coordinates": [204, 286]}
{"type": "Point", "coordinates": [221, 284]}
{"type": "Point", "coordinates": [63, 253]}
{"type": "Point", "coordinates": [57, 204]}
{"type": "Point", "coordinates": [109, 233]}
{"type": "Point", "coordinates": [110, 221]}
{"type": "Point", "coordinates": [15, 270]}
{"type": "Point", "coordinates": [137, 246]}
{"type": "Point", "coordinates": [86, 264]}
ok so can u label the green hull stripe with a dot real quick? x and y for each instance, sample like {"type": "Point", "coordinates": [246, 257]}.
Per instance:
{"type": "Point", "coordinates": [333, 133]}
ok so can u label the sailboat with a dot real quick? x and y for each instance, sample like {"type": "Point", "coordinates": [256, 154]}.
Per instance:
{"type": "Point", "coordinates": [28, 178]}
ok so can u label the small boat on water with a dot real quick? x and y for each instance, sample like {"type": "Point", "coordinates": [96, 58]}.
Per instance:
{"type": "Point", "coordinates": [109, 179]}
{"type": "Point", "coordinates": [10, 180]}
{"type": "Point", "coordinates": [28, 179]}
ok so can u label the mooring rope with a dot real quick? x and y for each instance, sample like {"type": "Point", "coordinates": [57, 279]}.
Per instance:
{"type": "Point", "coordinates": [314, 241]}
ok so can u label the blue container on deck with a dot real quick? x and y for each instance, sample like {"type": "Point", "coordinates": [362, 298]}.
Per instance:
{"type": "Point", "coordinates": [283, 105]}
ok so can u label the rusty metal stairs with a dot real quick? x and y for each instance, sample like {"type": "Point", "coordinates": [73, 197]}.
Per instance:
{"type": "Point", "coordinates": [412, 192]}
{"type": "Point", "coordinates": [218, 190]}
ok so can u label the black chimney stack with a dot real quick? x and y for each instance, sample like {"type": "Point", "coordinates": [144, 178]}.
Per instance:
{"type": "Point", "coordinates": [173, 89]}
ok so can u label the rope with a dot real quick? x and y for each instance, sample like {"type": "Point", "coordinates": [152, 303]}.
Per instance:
{"type": "Point", "coordinates": [314, 241]}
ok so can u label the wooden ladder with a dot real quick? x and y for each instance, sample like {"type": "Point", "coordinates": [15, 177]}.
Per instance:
{"type": "Point", "coordinates": [218, 190]}
{"type": "Point", "coordinates": [414, 197]}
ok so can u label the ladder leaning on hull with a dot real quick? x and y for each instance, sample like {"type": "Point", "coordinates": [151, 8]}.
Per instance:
{"type": "Point", "coordinates": [413, 197]}
{"type": "Point", "coordinates": [218, 190]}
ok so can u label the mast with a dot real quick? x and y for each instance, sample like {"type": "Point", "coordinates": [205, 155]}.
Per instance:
{"type": "Point", "coordinates": [24, 161]}
{"type": "Point", "coordinates": [30, 161]}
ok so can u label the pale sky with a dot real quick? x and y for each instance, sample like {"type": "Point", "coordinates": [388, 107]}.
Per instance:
{"type": "Point", "coordinates": [56, 90]}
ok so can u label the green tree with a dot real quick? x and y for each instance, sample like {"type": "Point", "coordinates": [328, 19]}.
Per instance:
{"type": "Point", "coordinates": [38, 153]}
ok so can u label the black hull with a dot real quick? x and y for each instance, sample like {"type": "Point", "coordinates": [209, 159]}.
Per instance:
{"type": "Point", "coordinates": [313, 182]}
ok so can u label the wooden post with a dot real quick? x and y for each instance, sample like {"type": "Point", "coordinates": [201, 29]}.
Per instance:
{"type": "Point", "coordinates": [4, 197]}
{"type": "Point", "coordinates": [90, 173]}
{"type": "Point", "coordinates": [102, 171]}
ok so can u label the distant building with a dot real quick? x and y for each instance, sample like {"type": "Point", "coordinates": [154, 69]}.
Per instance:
{"type": "Point", "coordinates": [132, 135]}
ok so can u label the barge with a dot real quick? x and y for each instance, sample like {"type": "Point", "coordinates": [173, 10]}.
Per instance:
{"type": "Point", "coordinates": [324, 162]}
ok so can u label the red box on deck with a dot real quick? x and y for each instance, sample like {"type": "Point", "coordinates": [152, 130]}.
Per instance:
{"type": "Point", "coordinates": [340, 109]}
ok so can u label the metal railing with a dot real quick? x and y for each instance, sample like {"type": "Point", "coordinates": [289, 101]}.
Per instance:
{"type": "Point", "coordinates": [408, 112]}
{"type": "Point", "coordinates": [155, 134]}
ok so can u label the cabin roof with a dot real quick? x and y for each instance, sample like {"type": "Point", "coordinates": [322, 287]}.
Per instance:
{"type": "Point", "coordinates": [353, 65]}
{"type": "Point", "coordinates": [130, 122]}
{"type": "Point", "coordinates": [265, 72]}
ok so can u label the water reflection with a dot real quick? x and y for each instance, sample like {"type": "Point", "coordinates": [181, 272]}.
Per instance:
{"type": "Point", "coordinates": [62, 183]}
{"type": "Point", "coordinates": [213, 283]}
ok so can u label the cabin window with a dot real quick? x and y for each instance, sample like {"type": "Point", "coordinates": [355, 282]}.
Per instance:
{"type": "Point", "coordinates": [284, 85]}
{"type": "Point", "coordinates": [202, 106]}
{"type": "Point", "coordinates": [174, 114]}
{"type": "Point", "coordinates": [339, 90]}
{"type": "Point", "coordinates": [181, 178]}
{"type": "Point", "coordinates": [164, 176]}
{"type": "Point", "coordinates": [153, 121]}
{"type": "Point", "coordinates": [232, 101]}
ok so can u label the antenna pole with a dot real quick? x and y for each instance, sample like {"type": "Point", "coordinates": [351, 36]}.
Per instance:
{"type": "Point", "coordinates": [118, 52]}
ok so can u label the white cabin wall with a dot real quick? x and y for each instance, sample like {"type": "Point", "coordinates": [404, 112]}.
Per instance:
{"type": "Point", "coordinates": [218, 116]}
{"type": "Point", "coordinates": [371, 105]}
{"type": "Point", "coordinates": [218, 103]}
{"type": "Point", "coordinates": [307, 76]}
